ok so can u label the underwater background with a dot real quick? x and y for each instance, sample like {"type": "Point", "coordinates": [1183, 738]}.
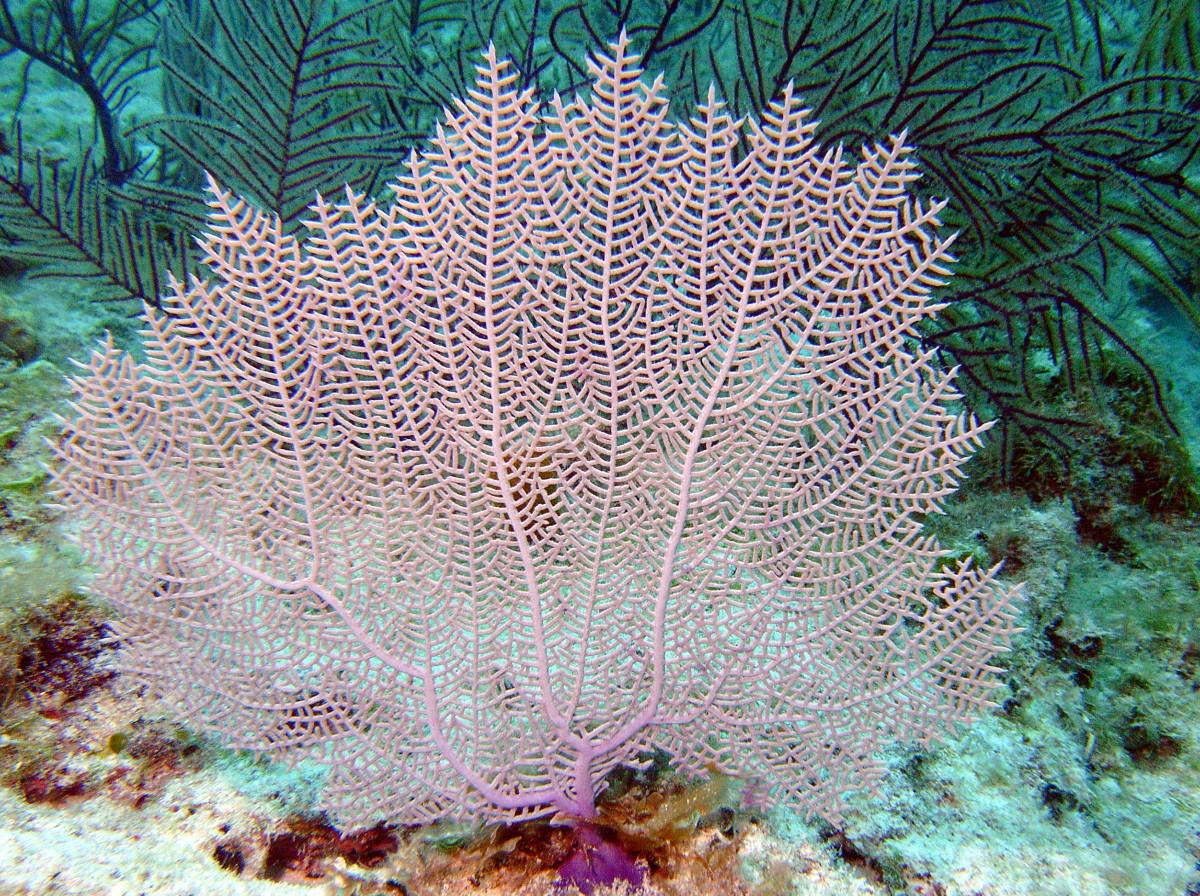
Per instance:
{"type": "Point", "coordinates": [1065, 137]}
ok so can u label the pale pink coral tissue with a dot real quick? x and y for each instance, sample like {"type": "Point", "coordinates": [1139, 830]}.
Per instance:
{"type": "Point", "coordinates": [611, 433]}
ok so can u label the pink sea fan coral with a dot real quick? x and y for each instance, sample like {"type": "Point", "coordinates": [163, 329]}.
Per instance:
{"type": "Point", "coordinates": [609, 434]}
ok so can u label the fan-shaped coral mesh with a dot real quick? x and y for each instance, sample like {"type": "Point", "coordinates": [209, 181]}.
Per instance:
{"type": "Point", "coordinates": [609, 433]}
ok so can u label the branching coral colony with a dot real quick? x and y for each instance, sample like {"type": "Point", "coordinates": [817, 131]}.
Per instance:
{"type": "Point", "coordinates": [602, 438]}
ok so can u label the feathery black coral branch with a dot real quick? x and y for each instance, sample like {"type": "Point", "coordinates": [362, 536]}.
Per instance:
{"type": "Point", "coordinates": [275, 99]}
{"type": "Point", "coordinates": [65, 221]}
